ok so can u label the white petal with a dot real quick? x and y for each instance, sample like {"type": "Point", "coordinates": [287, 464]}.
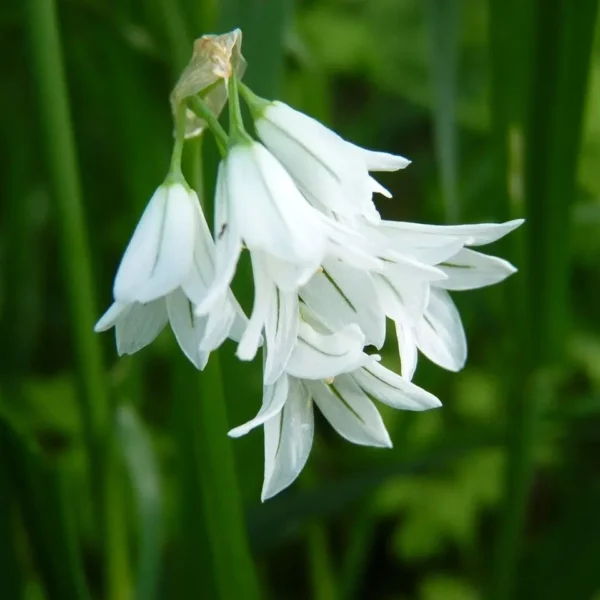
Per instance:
{"type": "Point", "coordinates": [187, 327]}
{"type": "Point", "coordinates": [240, 322]}
{"type": "Point", "coordinates": [139, 325]}
{"type": "Point", "coordinates": [402, 297]}
{"type": "Point", "coordinates": [218, 325]}
{"type": "Point", "coordinates": [228, 247]}
{"type": "Point", "coordinates": [286, 276]}
{"type": "Point", "coordinates": [468, 270]}
{"type": "Point", "coordinates": [423, 247]}
{"type": "Point", "coordinates": [318, 356]}
{"type": "Point", "coordinates": [269, 211]}
{"type": "Point", "coordinates": [474, 235]}
{"type": "Point", "coordinates": [341, 295]}
{"type": "Point", "coordinates": [264, 296]}
{"type": "Point", "coordinates": [350, 411]}
{"type": "Point", "coordinates": [202, 271]}
{"type": "Point", "coordinates": [274, 397]}
{"type": "Point", "coordinates": [391, 389]}
{"type": "Point", "coordinates": [159, 255]}
{"type": "Point", "coordinates": [352, 248]}
{"type": "Point", "coordinates": [380, 161]}
{"type": "Point", "coordinates": [440, 334]}
{"type": "Point", "coordinates": [407, 347]}
{"type": "Point", "coordinates": [110, 317]}
{"type": "Point", "coordinates": [323, 165]}
{"type": "Point", "coordinates": [377, 188]}
{"type": "Point", "coordinates": [288, 440]}
{"type": "Point", "coordinates": [281, 330]}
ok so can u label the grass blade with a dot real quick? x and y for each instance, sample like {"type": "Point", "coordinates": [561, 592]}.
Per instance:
{"type": "Point", "coordinates": [136, 448]}
{"type": "Point", "coordinates": [549, 116]}
{"type": "Point", "coordinates": [60, 155]}
{"type": "Point", "coordinates": [45, 494]}
{"type": "Point", "coordinates": [444, 30]}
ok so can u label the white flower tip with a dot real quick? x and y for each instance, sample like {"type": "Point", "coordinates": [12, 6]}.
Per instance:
{"type": "Point", "coordinates": [237, 432]}
{"type": "Point", "coordinates": [109, 318]}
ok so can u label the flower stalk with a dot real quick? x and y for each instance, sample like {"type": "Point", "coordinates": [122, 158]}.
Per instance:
{"type": "Point", "coordinates": [94, 404]}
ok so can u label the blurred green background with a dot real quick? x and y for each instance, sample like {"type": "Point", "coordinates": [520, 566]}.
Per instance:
{"type": "Point", "coordinates": [116, 477]}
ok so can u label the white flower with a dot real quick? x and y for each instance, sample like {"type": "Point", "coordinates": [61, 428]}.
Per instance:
{"type": "Point", "coordinates": [259, 206]}
{"type": "Point", "coordinates": [422, 262]}
{"type": "Point", "coordinates": [166, 269]}
{"type": "Point", "coordinates": [439, 333]}
{"type": "Point", "coordinates": [333, 174]}
{"type": "Point", "coordinates": [345, 401]}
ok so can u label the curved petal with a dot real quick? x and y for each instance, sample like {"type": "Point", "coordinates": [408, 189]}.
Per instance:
{"type": "Point", "coordinates": [139, 325]}
{"type": "Point", "coordinates": [473, 235]}
{"type": "Point", "coordinates": [468, 270]}
{"type": "Point", "coordinates": [323, 165]}
{"type": "Point", "coordinates": [269, 211]}
{"type": "Point", "coordinates": [391, 389]}
{"type": "Point", "coordinates": [202, 271]}
{"type": "Point", "coordinates": [341, 295]}
{"type": "Point", "coordinates": [110, 317]}
{"type": "Point", "coordinates": [288, 440]}
{"type": "Point", "coordinates": [440, 334]}
{"type": "Point", "coordinates": [228, 246]}
{"type": "Point", "coordinates": [187, 327]}
{"type": "Point", "coordinates": [350, 412]}
{"type": "Point", "coordinates": [159, 255]}
{"type": "Point", "coordinates": [402, 298]}
{"type": "Point", "coordinates": [274, 397]}
{"type": "Point", "coordinates": [264, 292]}
{"type": "Point", "coordinates": [219, 322]}
{"type": "Point", "coordinates": [380, 161]}
{"type": "Point", "coordinates": [281, 330]}
{"type": "Point", "coordinates": [407, 348]}
{"type": "Point", "coordinates": [318, 356]}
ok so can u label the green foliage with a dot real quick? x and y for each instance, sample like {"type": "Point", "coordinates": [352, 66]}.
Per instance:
{"type": "Point", "coordinates": [120, 482]}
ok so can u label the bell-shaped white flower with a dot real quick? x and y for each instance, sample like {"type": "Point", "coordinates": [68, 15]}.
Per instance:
{"type": "Point", "coordinates": [332, 173]}
{"type": "Point", "coordinates": [439, 333]}
{"type": "Point", "coordinates": [330, 369]}
{"type": "Point", "coordinates": [257, 205]}
{"type": "Point", "coordinates": [345, 400]}
{"type": "Point", "coordinates": [166, 269]}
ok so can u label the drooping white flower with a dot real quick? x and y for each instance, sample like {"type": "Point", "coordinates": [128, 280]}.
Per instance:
{"type": "Point", "coordinates": [439, 333]}
{"type": "Point", "coordinates": [331, 370]}
{"type": "Point", "coordinates": [346, 401]}
{"type": "Point", "coordinates": [332, 173]}
{"type": "Point", "coordinates": [166, 269]}
{"type": "Point", "coordinates": [259, 206]}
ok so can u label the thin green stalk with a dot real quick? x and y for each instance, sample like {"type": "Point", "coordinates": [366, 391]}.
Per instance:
{"type": "Point", "coordinates": [233, 565]}
{"type": "Point", "coordinates": [208, 467]}
{"type": "Point", "coordinates": [444, 19]}
{"type": "Point", "coordinates": [237, 131]}
{"type": "Point", "coordinates": [215, 127]}
{"type": "Point", "coordinates": [550, 119]}
{"type": "Point", "coordinates": [176, 32]}
{"type": "Point", "coordinates": [322, 576]}
{"type": "Point", "coordinates": [59, 148]}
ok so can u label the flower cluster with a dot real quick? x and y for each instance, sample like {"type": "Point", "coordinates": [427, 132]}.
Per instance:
{"type": "Point", "coordinates": [327, 269]}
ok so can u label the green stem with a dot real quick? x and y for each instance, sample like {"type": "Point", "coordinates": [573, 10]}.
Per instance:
{"type": "Point", "coordinates": [175, 172]}
{"type": "Point", "coordinates": [321, 570]}
{"type": "Point", "coordinates": [237, 133]}
{"type": "Point", "coordinates": [215, 127]}
{"type": "Point", "coordinates": [256, 104]}
{"type": "Point", "coordinates": [232, 563]}
{"type": "Point", "coordinates": [59, 148]}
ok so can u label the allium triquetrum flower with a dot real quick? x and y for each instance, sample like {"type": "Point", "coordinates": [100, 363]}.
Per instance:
{"type": "Point", "coordinates": [167, 268]}
{"type": "Point", "coordinates": [332, 371]}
